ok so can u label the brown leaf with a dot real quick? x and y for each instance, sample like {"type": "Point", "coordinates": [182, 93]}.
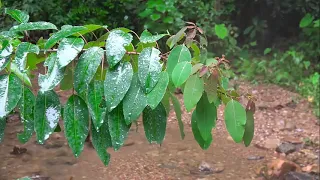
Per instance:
{"type": "Point", "coordinates": [251, 106]}
{"type": "Point", "coordinates": [200, 30]}
{"type": "Point", "coordinates": [191, 34]}
{"type": "Point", "coordinates": [203, 71]}
{"type": "Point", "coordinates": [191, 23]}
{"type": "Point", "coordinates": [190, 27]}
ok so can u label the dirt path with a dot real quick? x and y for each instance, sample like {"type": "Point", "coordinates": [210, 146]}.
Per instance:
{"type": "Point", "coordinates": [176, 158]}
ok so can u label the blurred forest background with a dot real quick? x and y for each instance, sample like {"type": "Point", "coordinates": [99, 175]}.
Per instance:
{"type": "Point", "coordinates": [269, 41]}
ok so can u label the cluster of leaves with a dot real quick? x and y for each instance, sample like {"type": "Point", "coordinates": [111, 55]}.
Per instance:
{"type": "Point", "coordinates": [113, 82]}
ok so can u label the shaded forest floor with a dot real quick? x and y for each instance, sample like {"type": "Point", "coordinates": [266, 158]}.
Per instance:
{"type": "Point", "coordinates": [282, 119]}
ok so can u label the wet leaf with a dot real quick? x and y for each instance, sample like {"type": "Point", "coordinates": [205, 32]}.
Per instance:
{"type": "Point", "coordinates": [178, 54]}
{"type": "Point", "coordinates": [34, 59]}
{"type": "Point", "coordinates": [10, 93]}
{"type": "Point", "coordinates": [21, 54]}
{"type": "Point", "coordinates": [117, 84]}
{"type": "Point", "coordinates": [17, 15]}
{"type": "Point", "coordinates": [154, 123]}
{"type": "Point", "coordinates": [156, 95]}
{"type": "Point", "coordinates": [26, 109]}
{"type": "Point", "coordinates": [30, 26]}
{"type": "Point", "coordinates": [5, 53]}
{"type": "Point", "coordinates": [101, 140]}
{"type": "Point", "coordinates": [22, 76]}
{"type": "Point", "coordinates": [177, 109]}
{"type": "Point", "coordinates": [206, 117]}
{"type": "Point", "coordinates": [141, 46]}
{"type": "Point", "coordinates": [54, 75]}
{"type": "Point", "coordinates": [94, 98]}
{"type": "Point", "coordinates": [134, 101]}
{"type": "Point", "coordinates": [86, 68]}
{"type": "Point", "coordinates": [76, 123]}
{"type": "Point", "coordinates": [2, 127]}
{"type": "Point", "coordinates": [210, 87]}
{"type": "Point", "coordinates": [115, 44]}
{"type": "Point", "coordinates": [67, 81]}
{"type": "Point", "coordinates": [147, 37]}
{"type": "Point", "coordinates": [306, 20]}
{"type": "Point", "coordinates": [235, 119]}
{"type": "Point", "coordinates": [63, 33]}
{"type": "Point", "coordinates": [181, 73]}
{"type": "Point", "coordinates": [68, 49]}
{"type": "Point", "coordinates": [204, 144]}
{"type": "Point", "coordinates": [46, 114]}
{"type": "Point", "coordinates": [149, 68]}
{"type": "Point", "coordinates": [118, 127]}
{"type": "Point", "coordinates": [192, 91]}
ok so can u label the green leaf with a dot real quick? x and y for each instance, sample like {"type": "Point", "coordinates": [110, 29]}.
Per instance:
{"type": "Point", "coordinates": [267, 51]}
{"type": "Point", "coordinates": [5, 53]}
{"type": "Point", "coordinates": [196, 68]}
{"type": "Point", "coordinates": [235, 119]}
{"type": "Point", "coordinates": [178, 54]}
{"type": "Point", "coordinates": [224, 82]}
{"type": "Point", "coordinates": [249, 128]}
{"type": "Point", "coordinates": [68, 49]}
{"type": "Point", "coordinates": [86, 68]}
{"type": "Point", "coordinates": [10, 88]}
{"type": "Point", "coordinates": [54, 75]}
{"type": "Point", "coordinates": [22, 76]}
{"type": "Point", "coordinates": [196, 132]}
{"type": "Point", "coordinates": [76, 123]}
{"type": "Point", "coordinates": [134, 101]}
{"type": "Point", "coordinates": [101, 140]}
{"type": "Point", "coordinates": [155, 16]}
{"type": "Point", "coordinates": [147, 37]}
{"type": "Point", "coordinates": [166, 101]}
{"type": "Point", "coordinates": [95, 97]}
{"type": "Point", "coordinates": [177, 109]}
{"type": "Point", "coordinates": [3, 123]}
{"type": "Point", "coordinates": [26, 107]}
{"type": "Point", "coordinates": [89, 28]}
{"type": "Point", "coordinates": [154, 123]}
{"type": "Point", "coordinates": [17, 15]}
{"type": "Point", "coordinates": [34, 59]}
{"type": "Point", "coordinates": [192, 91]}
{"type": "Point", "coordinates": [117, 84]}
{"type": "Point", "coordinates": [63, 33]}
{"type": "Point", "coordinates": [156, 95]}
{"type": "Point", "coordinates": [149, 68]}
{"type": "Point", "coordinates": [21, 54]}
{"type": "Point", "coordinates": [115, 44]}
{"type": "Point", "coordinates": [181, 73]}
{"type": "Point", "coordinates": [206, 117]}
{"type": "Point", "coordinates": [118, 127]}
{"type": "Point", "coordinates": [173, 40]}
{"type": "Point", "coordinates": [306, 20]}
{"type": "Point", "coordinates": [67, 81]}
{"type": "Point", "coordinates": [221, 30]}
{"type": "Point", "coordinates": [210, 87]}
{"type": "Point", "coordinates": [46, 114]}
{"type": "Point", "coordinates": [30, 26]}
{"type": "Point", "coordinates": [141, 46]}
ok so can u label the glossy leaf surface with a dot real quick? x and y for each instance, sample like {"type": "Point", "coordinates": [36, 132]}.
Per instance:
{"type": "Point", "coordinates": [149, 68]}
{"type": "Point", "coordinates": [17, 15]}
{"type": "Point", "coordinates": [192, 91]}
{"type": "Point", "coordinates": [156, 95]}
{"type": "Point", "coordinates": [10, 93]}
{"type": "Point", "coordinates": [86, 68]}
{"type": "Point", "coordinates": [115, 44]}
{"type": "Point", "coordinates": [178, 54]}
{"type": "Point", "coordinates": [21, 54]}
{"type": "Point", "coordinates": [95, 99]}
{"type": "Point", "coordinates": [154, 123]}
{"type": "Point", "coordinates": [134, 101]}
{"type": "Point", "coordinates": [76, 123]}
{"type": "Point", "coordinates": [29, 26]}
{"type": "Point", "coordinates": [147, 37]}
{"type": "Point", "coordinates": [68, 49]}
{"type": "Point", "coordinates": [118, 127]}
{"type": "Point", "coordinates": [177, 109]}
{"type": "Point", "coordinates": [26, 108]}
{"type": "Point", "coordinates": [117, 83]}
{"type": "Point", "coordinates": [204, 144]}
{"type": "Point", "coordinates": [181, 73]}
{"type": "Point", "coordinates": [235, 119]}
{"type": "Point", "coordinates": [46, 114]}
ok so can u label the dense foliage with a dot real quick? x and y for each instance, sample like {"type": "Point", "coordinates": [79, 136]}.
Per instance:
{"type": "Point", "coordinates": [115, 79]}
